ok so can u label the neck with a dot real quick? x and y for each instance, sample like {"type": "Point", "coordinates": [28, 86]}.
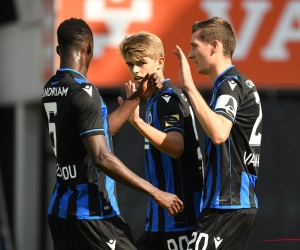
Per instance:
{"type": "Point", "coordinates": [219, 68]}
{"type": "Point", "coordinates": [74, 61]}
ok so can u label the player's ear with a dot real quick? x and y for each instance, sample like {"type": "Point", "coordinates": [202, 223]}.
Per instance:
{"type": "Point", "coordinates": [214, 44]}
{"type": "Point", "coordinates": [57, 50]}
{"type": "Point", "coordinates": [161, 62]}
{"type": "Point", "coordinates": [89, 48]}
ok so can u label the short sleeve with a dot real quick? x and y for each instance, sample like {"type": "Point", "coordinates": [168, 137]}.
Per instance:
{"type": "Point", "coordinates": [169, 113]}
{"type": "Point", "coordinates": [87, 108]}
{"type": "Point", "coordinates": [227, 99]}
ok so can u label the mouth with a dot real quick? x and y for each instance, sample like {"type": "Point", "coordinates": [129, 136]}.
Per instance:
{"type": "Point", "coordinates": [138, 79]}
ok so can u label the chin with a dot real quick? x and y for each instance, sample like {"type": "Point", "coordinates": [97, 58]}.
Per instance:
{"type": "Point", "coordinates": [201, 71]}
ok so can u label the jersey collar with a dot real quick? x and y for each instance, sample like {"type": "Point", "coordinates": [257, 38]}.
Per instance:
{"type": "Point", "coordinates": [222, 74]}
{"type": "Point", "coordinates": [69, 69]}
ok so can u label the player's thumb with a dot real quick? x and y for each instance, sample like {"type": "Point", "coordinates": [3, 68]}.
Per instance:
{"type": "Point", "coordinates": [120, 100]}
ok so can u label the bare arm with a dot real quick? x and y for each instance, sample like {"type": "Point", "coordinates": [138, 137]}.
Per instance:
{"type": "Point", "coordinates": [171, 143]}
{"type": "Point", "coordinates": [215, 126]}
{"type": "Point", "coordinates": [148, 87]}
{"type": "Point", "coordinates": [109, 164]}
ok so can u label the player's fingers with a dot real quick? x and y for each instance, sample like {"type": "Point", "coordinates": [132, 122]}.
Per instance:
{"type": "Point", "coordinates": [158, 83]}
{"type": "Point", "coordinates": [176, 207]}
{"type": "Point", "coordinates": [181, 206]}
{"type": "Point", "coordinates": [120, 100]}
{"type": "Point", "coordinates": [146, 77]}
{"type": "Point", "coordinates": [174, 211]}
{"type": "Point", "coordinates": [176, 54]}
{"type": "Point", "coordinates": [127, 88]}
{"type": "Point", "coordinates": [133, 86]}
{"type": "Point", "coordinates": [152, 79]}
{"type": "Point", "coordinates": [179, 50]}
{"type": "Point", "coordinates": [155, 81]}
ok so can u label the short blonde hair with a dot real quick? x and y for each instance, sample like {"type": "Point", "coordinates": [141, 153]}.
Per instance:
{"type": "Point", "coordinates": [142, 44]}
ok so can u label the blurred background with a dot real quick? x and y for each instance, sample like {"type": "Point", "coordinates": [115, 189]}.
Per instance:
{"type": "Point", "coordinates": [268, 52]}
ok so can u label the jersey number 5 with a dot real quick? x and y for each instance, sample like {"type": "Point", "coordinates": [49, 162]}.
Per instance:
{"type": "Point", "coordinates": [51, 109]}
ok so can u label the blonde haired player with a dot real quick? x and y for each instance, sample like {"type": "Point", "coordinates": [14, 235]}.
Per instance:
{"type": "Point", "coordinates": [172, 153]}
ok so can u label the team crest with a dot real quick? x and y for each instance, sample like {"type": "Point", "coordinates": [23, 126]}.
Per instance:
{"type": "Point", "coordinates": [228, 104]}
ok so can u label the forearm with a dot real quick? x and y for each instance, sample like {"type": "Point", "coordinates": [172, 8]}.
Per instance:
{"type": "Point", "coordinates": [165, 142]}
{"type": "Point", "coordinates": [110, 165]}
{"type": "Point", "coordinates": [114, 168]}
{"type": "Point", "coordinates": [119, 116]}
{"type": "Point", "coordinates": [211, 122]}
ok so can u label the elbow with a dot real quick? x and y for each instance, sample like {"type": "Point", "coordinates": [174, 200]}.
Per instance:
{"type": "Point", "coordinates": [112, 131]}
{"type": "Point", "coordinates": [177, 152]}
{"type": "Point", "coordinates": [100, 161]}
{"type": "Point", "coordinates": [219, 139]}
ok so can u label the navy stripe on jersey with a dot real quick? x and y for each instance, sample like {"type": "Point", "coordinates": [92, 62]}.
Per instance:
{"type": "Point", "coordinates": [179, 176]}
{"type": "Point", "coordinates": [64, 199]}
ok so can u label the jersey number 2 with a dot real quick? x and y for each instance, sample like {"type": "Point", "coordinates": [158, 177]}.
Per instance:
{"type": "Point", "coordinates": [255, 138]}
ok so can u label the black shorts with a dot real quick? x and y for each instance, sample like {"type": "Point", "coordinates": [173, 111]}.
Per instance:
{"type": "Point", "coordinates": [107, 234]}
{"type": "Point", "coordinates": [223, 229]}
{"type": "Point", "coordinates": [164, 240]}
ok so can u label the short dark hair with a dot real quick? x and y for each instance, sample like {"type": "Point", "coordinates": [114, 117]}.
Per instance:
{"type": "Point", "coordinates": [219, 29]}
{"type": "Point", "coordinates": [72, 32]}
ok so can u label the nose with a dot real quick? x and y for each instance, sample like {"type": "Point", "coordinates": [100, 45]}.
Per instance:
{"type": "Point", "coordinates": [191, 54]}
{"type": "Point", "coordinates": [135, 69]}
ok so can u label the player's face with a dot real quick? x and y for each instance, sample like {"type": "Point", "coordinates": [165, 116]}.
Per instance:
{"type": "Point", "coordinates": [138, 69]}
{"type": "Point", "coordinates": [200, 54]}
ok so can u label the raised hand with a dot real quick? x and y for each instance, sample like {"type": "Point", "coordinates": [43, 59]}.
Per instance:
{"type": "Point", "coordinates": [149, 85]}
{"type": "Point", "coordinates": [185, 75]}
{"type": "Point", "coordinates": [130, 89]}
{"type": "Point", "coordinates": [169, 201]}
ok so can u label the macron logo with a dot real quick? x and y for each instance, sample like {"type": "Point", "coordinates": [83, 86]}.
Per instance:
{"type": "Point", "coordinates": [218, 241]}
{"type": "Point", "coordinates": [232, 84]}
{"type": "Point", "coordinates": [166, 97]}
{"type": "Point", "coordinates": [88, 89]}
{"type": "Point", "coordinates": [111, 244]}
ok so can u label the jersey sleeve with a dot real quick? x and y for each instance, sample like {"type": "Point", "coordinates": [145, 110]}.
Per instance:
{"type": "Point", "coordinates": [169, 113]}
{"type": "Point", "coordinates": [228, 99]}
{"type": "Point", "coordinates": [87, 108]}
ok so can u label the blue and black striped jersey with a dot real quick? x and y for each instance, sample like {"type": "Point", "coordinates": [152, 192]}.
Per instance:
{"type": "Point", "coordinates": [74, 109]}
{"type": "Point", "coordinates": [231, 168]}
{"type": "Point", "coordinates": [169, 110]}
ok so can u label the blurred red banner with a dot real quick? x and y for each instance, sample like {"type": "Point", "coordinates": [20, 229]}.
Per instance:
{"type": "Point", "coordinates": [267, 33]}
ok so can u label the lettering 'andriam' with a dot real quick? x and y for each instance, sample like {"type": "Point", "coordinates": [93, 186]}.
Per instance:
{"type": "Point", "coordinates": [59, 91]}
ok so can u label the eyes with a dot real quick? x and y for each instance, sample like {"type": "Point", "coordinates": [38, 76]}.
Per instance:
{"type": "Point", "coordinates": [139, 64]}
{"type": "Point", "coordinates": [194, 45]}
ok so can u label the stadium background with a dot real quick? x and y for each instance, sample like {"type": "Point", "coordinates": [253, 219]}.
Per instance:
{"type": "Point", "coordinates": [268, 50]}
